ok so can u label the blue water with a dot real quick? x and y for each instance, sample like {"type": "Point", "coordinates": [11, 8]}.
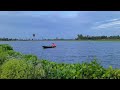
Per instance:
{"type": "Point", "coordinates": [107, 52]}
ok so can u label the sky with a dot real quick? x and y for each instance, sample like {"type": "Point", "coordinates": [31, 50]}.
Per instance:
{"type": "Point", "coordinates": [60, 24]}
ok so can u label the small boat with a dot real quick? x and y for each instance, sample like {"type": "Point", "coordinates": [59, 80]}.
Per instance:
{"type": "Point", "coordinates": [48, 46]}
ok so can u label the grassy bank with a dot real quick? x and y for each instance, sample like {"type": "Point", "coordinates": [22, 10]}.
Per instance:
{"type": "Point", "coordinates": [14, 65]}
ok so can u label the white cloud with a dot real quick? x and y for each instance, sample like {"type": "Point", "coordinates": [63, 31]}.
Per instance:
{"type": "Point", "coordinates": [113, 23]}
{"type": "Point", "coordinates": [106, 21]}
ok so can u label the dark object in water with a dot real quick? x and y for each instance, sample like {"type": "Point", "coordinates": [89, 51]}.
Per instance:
{"type": "Point", "coordinates": [48, 46]}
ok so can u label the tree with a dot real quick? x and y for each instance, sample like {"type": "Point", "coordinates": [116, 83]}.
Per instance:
{"type": "Point", "coordinates": [33, 36]}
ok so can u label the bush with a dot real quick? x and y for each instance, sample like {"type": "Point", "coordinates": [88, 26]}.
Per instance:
{"type": "Point", "coordinates": [13, 54]}
{"type": "Point", "coordinates": [31, 59]}
{"type": "Point", "coordinates": [92, 70]}
{"type": "Point", "coordinates": [59, 71]}
{"type": "Point", "coordinates": [3, 57]}
{"type": "Point", "coordinates": [111, 73]}
{"type": "Point", "coordinates": [39, 71]}
{"type": "Point", "coordinates": [6, 47]}
{"type": "Point", "coordinates": [19, 69]}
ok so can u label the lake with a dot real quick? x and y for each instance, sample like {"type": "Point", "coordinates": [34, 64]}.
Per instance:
{"type": "Point", "coordinates": [107, 52]}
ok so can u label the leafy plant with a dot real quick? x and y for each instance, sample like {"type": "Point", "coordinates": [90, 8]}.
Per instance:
{"type": "Point", "coordinates": [19, 69]}
{"type": "Point", "coordinates": [6, 47]}
{"type": "Point", "coordinates": [3, 57]}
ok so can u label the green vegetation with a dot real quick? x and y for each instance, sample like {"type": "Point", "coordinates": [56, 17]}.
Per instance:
{"type": "Point", "coordinates": [14, 65]}
{"type": "Point", "coordinates": [81, 37]}
{"type": "Point", "coordinates": [78, 38]}
{"type": "Point", "coordinates": [19, 69]}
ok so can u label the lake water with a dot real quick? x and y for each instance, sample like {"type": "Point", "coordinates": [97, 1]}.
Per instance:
{"type": "Point", "coordinates": [107, 52]}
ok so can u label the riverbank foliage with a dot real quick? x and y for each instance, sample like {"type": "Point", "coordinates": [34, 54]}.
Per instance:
{"type": "Point", "coordinates": [14, 65]}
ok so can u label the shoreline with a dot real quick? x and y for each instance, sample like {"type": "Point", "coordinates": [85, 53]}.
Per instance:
{"type": "Point", "coordinates": [65, 40]}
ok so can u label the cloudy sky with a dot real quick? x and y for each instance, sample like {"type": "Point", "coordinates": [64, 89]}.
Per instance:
{"type": "Point", "coordinates": [61, 24]}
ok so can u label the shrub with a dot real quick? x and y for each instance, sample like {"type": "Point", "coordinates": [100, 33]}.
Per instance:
{"type": "Point", "coordinates": [6, 47]}
{"type": "Point", "coordinates": [92, 70]}
{"type": "Point", "coordinates": [31, 59]}
{"type": "Point", "coordinates": [111, 73]}
{"type": "Point", "coordinates": [13, 54]}
{"type": "Point", "coordinates": [38, 72]}
{"type": "Point", "coordinates": [3, 57]}
{"type": "Point", "coordinates": [19, 69]}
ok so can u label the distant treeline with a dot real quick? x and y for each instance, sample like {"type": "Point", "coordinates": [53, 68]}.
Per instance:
{"type": "Point", "coordinates": [14, 39]}
{"type": "Point", "coordinates": [7, 39]}
{"type": "Point", "coordinates": [81, 37]}
{"type": "Point", "coordinates": [11, 39]}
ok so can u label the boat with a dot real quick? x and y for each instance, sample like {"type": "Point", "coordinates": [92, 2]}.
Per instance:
{"type": "Point", "coordinates": [48, 46]}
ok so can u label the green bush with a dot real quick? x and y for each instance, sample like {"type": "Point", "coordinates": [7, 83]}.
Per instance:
{"type": "Point", "coordinates": [38, 71]}
{"type": "Point", "coordinates": [19, 69]}
{"type": "Point", "coordinates": [116, 74]}
{"type": "Point", "coordinates": [12, 54]}
{"type": "Point", "coordinates": [92, 70]}
{"type": "Point", "coordinates": [31, 59]}
{"type": "Point", "coordinates": [111, 73]}
{"type": "Point", "coordinates": [59, 71]}
{"type": "Point", "coordinates": [3, 57]}
{"type": "Point", "coordinates": [6, 47]}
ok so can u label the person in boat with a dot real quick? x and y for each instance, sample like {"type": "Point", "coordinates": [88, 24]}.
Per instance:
{"type": "Point", "coordinates": [53, 45]}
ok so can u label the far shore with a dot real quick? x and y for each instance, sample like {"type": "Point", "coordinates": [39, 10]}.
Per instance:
{"type": "Point", "coordinates": [66, 40]}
